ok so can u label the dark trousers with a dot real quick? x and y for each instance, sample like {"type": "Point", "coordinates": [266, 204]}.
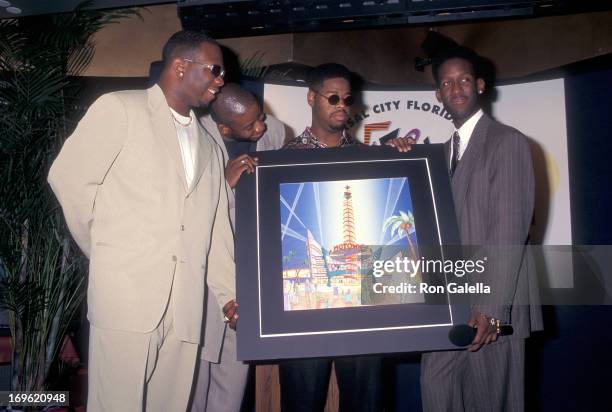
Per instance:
{"type": "Point", "coordinates": [304, 384]}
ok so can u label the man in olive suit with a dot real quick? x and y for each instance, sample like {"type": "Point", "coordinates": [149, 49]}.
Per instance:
{"type": "Point", "coordinates": [142, 189]}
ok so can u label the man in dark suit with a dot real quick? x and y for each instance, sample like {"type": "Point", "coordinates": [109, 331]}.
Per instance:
{"type": "Point", "coordinates": [493, 189]}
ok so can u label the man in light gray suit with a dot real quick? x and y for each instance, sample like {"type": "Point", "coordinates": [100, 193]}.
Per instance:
{"type": "Point", "coordinates": [493, 189]}
{"type": "Point", "coordinates": [239, 126]}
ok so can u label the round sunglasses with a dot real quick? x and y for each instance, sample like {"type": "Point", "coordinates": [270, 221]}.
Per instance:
{"type": "Point", "coordinates": [334, 99]}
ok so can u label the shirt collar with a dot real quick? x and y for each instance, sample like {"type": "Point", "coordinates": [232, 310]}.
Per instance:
{"type": "Point", "coordinates": [466, 130]}
{"type": "Point", "coordinates": [180, 119]}
{"type": "Point", "coordinates": [307, 137]}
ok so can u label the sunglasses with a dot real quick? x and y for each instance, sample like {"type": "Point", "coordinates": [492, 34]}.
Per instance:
{"type": "Point", "coordinates": [215, 69]}
{"type": "Point", "coordinates": [334, 99]}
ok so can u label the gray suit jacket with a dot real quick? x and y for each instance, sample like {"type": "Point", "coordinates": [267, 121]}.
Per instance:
{"type": "Point", "coordinates": [493, 192]}
{"type": "Point", "coordinates": [214, 326]}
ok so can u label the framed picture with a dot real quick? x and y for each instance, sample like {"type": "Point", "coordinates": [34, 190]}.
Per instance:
{"type": "Point", "coordinates": [326, 246]}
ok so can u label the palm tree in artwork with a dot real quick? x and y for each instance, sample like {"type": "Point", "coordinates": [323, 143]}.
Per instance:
{"type": "Point", "coordinates": [287, 259]}
{"type": "Point", "coordinates": [404, 222]}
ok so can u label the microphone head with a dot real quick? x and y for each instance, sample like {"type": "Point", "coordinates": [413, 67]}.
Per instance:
{"type": "Point", "coordinates": [461, 335]}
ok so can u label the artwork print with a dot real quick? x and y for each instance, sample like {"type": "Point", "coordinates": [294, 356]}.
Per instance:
{"type": "Point", "coordinates": [332, 232]}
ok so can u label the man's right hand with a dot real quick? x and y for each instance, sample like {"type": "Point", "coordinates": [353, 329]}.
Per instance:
{"type": "Point", "coordinates": [402, 144]}
{"type": "Point", "coordinates": [237, 166]}
{"type": "Point", "coordinates": [230, 314]}
{"type": "Point", "coordinates": [486, 331]}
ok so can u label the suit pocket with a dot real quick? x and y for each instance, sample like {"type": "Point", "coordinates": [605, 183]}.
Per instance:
{"type": "Point", "coordinates": [107, 244]}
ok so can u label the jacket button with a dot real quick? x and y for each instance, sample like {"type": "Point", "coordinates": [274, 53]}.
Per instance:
{"type": "Point", "coordinates": [182, 228]}
{"type": "Point", "coordinates": [174, 258]}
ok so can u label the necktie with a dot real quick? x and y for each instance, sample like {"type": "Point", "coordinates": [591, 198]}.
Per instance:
{"type": "Point", "coordinates": [455, 159]}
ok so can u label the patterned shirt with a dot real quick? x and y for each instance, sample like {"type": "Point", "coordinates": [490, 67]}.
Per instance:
{"type": "Point", "coordinates": [307, 140]}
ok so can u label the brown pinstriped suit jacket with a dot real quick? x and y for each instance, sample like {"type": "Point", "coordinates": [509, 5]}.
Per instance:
{"type": "Point", "coordinates": [493, 192]}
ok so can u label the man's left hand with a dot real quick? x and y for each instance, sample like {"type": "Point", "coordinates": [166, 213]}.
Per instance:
{"type": "Point", "coordinates": [230, 313]}
{"type": "Point", "coordinates": [402, 144]}
{"type": "Point", "coordinates": [486, 332]}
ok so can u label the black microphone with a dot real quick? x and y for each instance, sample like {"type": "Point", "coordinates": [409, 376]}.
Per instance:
{"type": "Point", "coordinates": [463, 335]}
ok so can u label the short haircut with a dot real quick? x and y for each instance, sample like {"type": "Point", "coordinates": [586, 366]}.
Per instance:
{"type": "Point", "coordinates": [458, 52]}
{"type": "Point", "coordinates": [327, 71]}
{"type": "Point", "coordinates": [231, 100]}
{"type": "Point", "coordinates": [184, 44]}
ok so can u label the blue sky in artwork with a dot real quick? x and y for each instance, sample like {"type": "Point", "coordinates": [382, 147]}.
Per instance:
{"type": "Point", "coordinates": [318, 206]}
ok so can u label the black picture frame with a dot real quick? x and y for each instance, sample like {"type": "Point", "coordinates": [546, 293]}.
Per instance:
{"type": "Point", "coordinates": [266, 331]}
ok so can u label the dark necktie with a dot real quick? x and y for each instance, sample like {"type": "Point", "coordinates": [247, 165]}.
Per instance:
{"type": "Point", "coordinates": [455, 159]}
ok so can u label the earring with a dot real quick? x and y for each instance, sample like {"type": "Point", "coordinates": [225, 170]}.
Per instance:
{"type": "Point", "coordinates": [479, 91]}
{"type": "Point", "coordinates": [181, 75]}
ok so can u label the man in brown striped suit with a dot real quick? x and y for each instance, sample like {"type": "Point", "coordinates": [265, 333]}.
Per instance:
{"type": "Point", "coordinates": [493, 189]}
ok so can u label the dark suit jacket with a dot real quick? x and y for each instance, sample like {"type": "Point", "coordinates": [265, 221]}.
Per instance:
{"type": "Point", "coordinates": [493, 191]}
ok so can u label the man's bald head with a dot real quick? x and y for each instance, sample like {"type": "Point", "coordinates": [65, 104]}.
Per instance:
{"type": "Point", "coordinates": [237, 113]}
{"type": "Point", "coordinates": [232, 100]}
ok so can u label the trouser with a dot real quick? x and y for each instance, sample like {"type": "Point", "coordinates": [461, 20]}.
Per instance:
{"type": "Point", "coordinates": [491, 379]}
{"type": "Point", "coordinates": [304, 383]}
{"type": "Point", "coordinates": [131, 371]}
{"type": "Point", "coordinates": [219, 387]}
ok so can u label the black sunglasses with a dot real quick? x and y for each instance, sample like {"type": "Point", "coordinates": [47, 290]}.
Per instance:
{"type": "Point", "coordinates": [215, 69]}
{"type": "Point", "coordinates": [334, 99]}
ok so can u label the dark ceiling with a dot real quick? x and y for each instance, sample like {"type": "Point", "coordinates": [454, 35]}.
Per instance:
{"type": "Point", "coordinates": [245, 18]}
{"type": "Point", "coordinates": [237, 18]}
{"type": "Point", "coordinates": [32, 7]}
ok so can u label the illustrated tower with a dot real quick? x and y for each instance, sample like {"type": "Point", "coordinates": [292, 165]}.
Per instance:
{"type": "Point", "coordinates": [346, 256]}
{"type": "Point", "coordinates": [348, 217]}
{"type": "Point", "coordinates": [348, 224]}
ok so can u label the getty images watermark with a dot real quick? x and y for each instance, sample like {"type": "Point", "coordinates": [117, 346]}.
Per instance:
{"type": "Point", "coordinates": [414, 270]}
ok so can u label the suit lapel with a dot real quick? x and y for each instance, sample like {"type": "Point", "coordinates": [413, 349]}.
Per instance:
{"type": "Point", "coordinates": [447, 150]}
{"type": "Point", "coordinates": [204, 150]}
{"type": "Point", "coordinates": [211, 131]}
{"type": "Point", "coordinates": [465, 168]}
{"type": "Point", "coordinates": [164, 130]}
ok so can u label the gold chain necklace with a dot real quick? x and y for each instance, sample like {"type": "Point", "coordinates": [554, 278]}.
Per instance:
{"type": "Point", "coordinates": [180, 123]}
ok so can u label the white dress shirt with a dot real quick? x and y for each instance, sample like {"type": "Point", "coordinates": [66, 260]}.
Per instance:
{"type": "Point", "coordinates": [465, 133]}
